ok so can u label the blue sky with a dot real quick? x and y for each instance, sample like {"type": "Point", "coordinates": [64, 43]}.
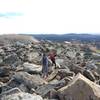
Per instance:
{"type": "Point", "coordinates": [10, 14]}
{"type": "Point", "coordinates": [49, 16]}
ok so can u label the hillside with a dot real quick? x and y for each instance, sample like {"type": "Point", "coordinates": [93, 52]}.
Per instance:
{"type": "Point", "coordinates": [68, 37]}
{"type": "Point", "coordinates": [13, 38]}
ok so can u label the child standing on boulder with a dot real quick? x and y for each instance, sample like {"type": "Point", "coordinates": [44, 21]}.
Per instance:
{"type": "Point", "coordinates": [52, 56]}
{"type": "Point", "coordinates": [44, 66]}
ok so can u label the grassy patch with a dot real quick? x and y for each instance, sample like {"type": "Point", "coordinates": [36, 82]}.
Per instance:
{"type": "Point", "coordinates": [97, 51]}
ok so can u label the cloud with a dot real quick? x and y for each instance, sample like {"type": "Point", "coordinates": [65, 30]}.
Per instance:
{"type": "Point", "coordinates": [10, 14]}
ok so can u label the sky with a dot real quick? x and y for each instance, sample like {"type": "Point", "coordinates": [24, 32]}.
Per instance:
{"type": "Point", "coordinates": [49, 16]}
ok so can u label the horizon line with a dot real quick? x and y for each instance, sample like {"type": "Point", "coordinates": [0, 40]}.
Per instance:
{"type": "Point", "coordinates": [38, 33]}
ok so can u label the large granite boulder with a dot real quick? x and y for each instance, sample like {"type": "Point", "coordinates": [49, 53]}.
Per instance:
{"type": "Point", "coordinates": [17, 94]}
{"type": "Point", "coordinates": [80, 89]}
{"type": "Point", "coordinates": [33, 57]}
{"type": "Point", "coordinates": [12, 60]}
{"type": "Point", "coordinates": [31, 81]}
{"type": "Point", "coordinates": [32, 68]}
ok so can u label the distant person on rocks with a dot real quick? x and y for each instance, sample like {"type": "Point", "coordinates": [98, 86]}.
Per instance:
{"type": "Point", "coordinates": [44, 66]}
{"type": "Point", "coordinates": [52, 56]}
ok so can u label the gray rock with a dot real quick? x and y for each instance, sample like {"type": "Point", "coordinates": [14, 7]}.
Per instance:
{"type": "Point", "coordinates": [12, 60]}
{"type": "Point", "coordinates": [22, 96]}
{"type": "Point", "coordinates": [91, 65]}
{"type": "Point", "coordinates": [59, 50]}
{"type": "Point", "coordinates": [2, 51]}
{"type": "Point", "coordinates": [4, 71]}
{"type": "Point", "coordinates": [60, 83]}
{"type": "Point", "coordinates": [1, 85]}
{"type": "Point", "coordinates": [5, 88]}
{"type": "Point", "coordinates": [23, 88]}
{"type": "Point", "coordinates": [10, 92]}
{"type": "Point", "coordinates": [18, 43]}
{"type": "Point", "coordinates": [54, 81]}
{"type": "Point", "coordinates": [76, 69]}
{"type": "Point", "coordinates": [53, 95]}
{"type": "Point", "coordinates": [64, 73]}
{"type": "Point", "coordinates": [80, 89]}
{"type": "Point", "coordinates": [31, 81]}
{"type": "Point", "coordinates": [52, 75]}
{"type": "Point", "coordinates": [45, 89]}
{"type": "Point", "coordinates": [96, 75]}
{"type": "Point", "coordinates": [1, 59]}
{"type": "Point", "coordinates": [63, 82]}
{"type": "Point", "coordinates": [89, 75]}
{"type": "Point", "coordinates": [60, 61]}
{"type": "Point", "coordinates": [33, 57]}
{"type": "Point", "coordinates": [32, 68]}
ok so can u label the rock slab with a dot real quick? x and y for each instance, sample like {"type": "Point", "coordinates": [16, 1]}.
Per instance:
{"type": "Point", "coordinates": [80, 88]}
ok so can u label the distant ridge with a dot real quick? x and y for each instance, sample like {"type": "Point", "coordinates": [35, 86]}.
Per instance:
{"type": "Point", "coordinates": [69, 37]}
